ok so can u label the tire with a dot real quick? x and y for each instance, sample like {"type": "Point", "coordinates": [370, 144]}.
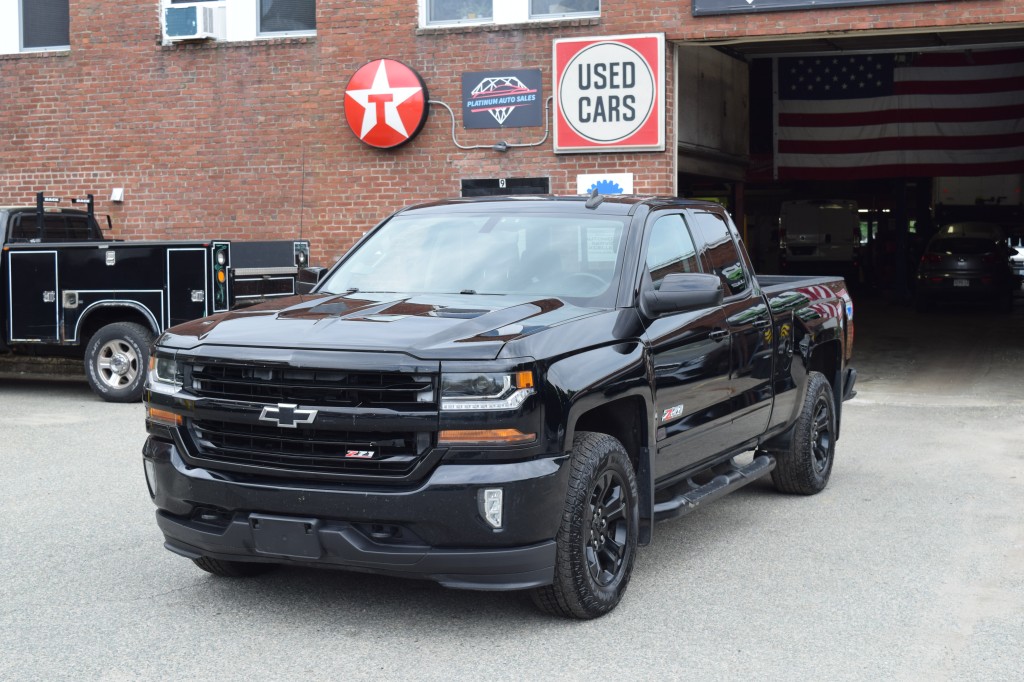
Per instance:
{"type": "Point", "coordinates": [232, 569]}
{"type": "Point", "coordinates": [597, 540]}
{"type": "Point", "coordinates": [804, 467]}
{"type": "Point", "coordinates": [116, 361]}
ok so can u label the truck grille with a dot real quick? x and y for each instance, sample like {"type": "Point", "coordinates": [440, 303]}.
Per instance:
{"type": "Point", "coordinates": [392, 390]}
{"type": "Point", "coordinates": [222, 435]}
{"type": "Point", "coordinates": [307, 450]}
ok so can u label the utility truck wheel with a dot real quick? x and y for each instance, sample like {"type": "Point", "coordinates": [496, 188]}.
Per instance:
{"type": "Point", "coordinates": [804, 467]}
{"type": "Point", "coordinates": [116, 361]}
{"type": "Point", "coordinates": [597, 539]}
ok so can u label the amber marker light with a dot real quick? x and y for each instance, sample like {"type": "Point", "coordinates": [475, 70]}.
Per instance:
{"type": "Point", "coordinates": [498, 436]}
{"type": "Point", "coordinates": [163, 417]}
{"type": "Point", "coordinates": [220, 276]}
{"type": "Point", "coordinates": [524, 379]}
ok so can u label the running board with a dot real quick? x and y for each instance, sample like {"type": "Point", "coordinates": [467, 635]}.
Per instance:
{"type": "Point", "coordinates": [692, 495]}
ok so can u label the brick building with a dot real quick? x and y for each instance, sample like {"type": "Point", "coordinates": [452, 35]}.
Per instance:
{"type": "Point", "coordinates": [245, 135]}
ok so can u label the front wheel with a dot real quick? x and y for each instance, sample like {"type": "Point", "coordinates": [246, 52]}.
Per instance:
{"type": "Point", "coordinates": [804, 467]}
{"type": "Point", "coordinates": [232, 569]}
{"type": "Point", "coordinates": [597, 539]}
{"type": "Point", "coordinates": [116, 361]}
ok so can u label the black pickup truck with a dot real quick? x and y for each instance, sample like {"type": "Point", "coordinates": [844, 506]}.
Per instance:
{"type": "Point", "coordinates": [67, 290]}
{"type": "Point", "coordinates": [497, 394]}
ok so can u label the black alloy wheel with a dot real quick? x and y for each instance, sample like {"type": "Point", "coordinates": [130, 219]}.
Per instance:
{"type": "Point", "coordinates": [822, 445]}
{"type": "Point", "coordinates": [597, 538]}
{"type": "Point", "coordinates": [608, 531]}
{"type": "Point", "coordinates": [803, 460]}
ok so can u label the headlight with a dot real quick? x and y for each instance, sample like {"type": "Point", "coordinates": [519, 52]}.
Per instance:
{"type": "Point", "coordinates": [163, 370]}
{"type": "Point", "coordinates": [485, 390]}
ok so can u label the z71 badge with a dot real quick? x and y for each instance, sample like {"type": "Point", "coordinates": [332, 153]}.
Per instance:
{"type": "Point", "coordinates": [360, 454]}
{"type": "Point", "coordinates": [672, 413]}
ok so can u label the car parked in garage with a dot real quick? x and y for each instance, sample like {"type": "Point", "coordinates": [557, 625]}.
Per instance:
{"type": "Point", "coordinates": [1016, 244]}
{"type": "Point", "coordinates": [967, 262]}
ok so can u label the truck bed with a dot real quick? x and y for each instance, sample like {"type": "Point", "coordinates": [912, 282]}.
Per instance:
{"type": "Point", "coordinates": [777, 284]}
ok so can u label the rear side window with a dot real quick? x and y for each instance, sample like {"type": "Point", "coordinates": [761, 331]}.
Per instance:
{"type": "Point", "coordinates": [56, 228]}
{"type": "Point", "coordinates": [670, 249]}
{"type": "Point", "coordinates": [722, 252]}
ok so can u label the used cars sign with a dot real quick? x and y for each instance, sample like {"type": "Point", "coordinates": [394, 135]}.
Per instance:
{"type": "Point", "coordinates": [610, 93]}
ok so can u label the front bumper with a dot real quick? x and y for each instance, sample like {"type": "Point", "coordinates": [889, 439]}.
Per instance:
{"type": "Point", "coordinates": [433, 530]}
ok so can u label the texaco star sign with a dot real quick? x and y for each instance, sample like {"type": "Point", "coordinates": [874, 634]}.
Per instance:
{"type": "Point", "coordinates": [386, 103]}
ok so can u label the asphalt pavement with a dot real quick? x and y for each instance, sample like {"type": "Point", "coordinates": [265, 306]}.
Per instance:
{"type": "Point", "coordinates": [909, 566]}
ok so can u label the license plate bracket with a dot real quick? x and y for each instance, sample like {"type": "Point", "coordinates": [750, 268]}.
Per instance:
{"type": "Point", "coordinates": [292, 537]}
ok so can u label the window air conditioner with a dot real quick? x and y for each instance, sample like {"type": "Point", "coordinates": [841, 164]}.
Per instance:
{"type": "Point", "coordinates": [196, 21]}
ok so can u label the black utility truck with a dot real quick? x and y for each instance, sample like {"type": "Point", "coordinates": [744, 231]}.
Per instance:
{"type": "Point", "coordinates": [67, 290]}
{"type": "Point", "coordinates": [497, 394]}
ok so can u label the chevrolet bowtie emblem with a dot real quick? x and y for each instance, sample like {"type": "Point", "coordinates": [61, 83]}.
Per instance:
{"type": "Point", "coordinates": [287, 416]}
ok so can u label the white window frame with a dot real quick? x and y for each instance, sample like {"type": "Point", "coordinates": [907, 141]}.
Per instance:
{"type": "Point", "coordinates": [279, 34]}
{"type": "Point", "coordinates": [563, 15]}
{"type": "Point", "coordinates": [242, 22]}
{"type": "Point", "coordinates": [503, 12]}
{"type": "Point", "coordinates": [12, 34]}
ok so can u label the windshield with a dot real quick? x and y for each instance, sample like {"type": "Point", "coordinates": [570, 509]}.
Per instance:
{"type": "Point", "coordinates": [554, 255]}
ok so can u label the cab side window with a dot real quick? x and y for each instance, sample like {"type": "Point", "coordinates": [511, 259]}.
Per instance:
{"type": "Point", "coordinates": [670, 249]}
{"type": "Point", "coordinates": [24, 228]}
{"type": "Point", "coordinates": [722, 252]}
{"type": "Point", "coordinates": [56, 228]}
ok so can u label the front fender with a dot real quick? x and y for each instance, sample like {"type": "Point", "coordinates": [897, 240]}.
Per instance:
{"type": "Point", "coordinates": [597, 377]}
{"type": "Point", "coordinates": [608, 389]}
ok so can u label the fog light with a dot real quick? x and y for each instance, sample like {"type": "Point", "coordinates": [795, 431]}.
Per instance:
{"type": "Point", "coordinates": [150, 476]}
{"type": "Point", "coordinates": [490, 500]}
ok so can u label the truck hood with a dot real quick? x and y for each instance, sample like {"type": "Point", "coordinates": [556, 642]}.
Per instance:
{"type": "Point", "coordinates": [427, 326]}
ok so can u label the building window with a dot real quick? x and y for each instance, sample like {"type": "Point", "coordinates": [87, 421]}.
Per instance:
{"type": "Point", "coordinates": [287, 16]}
{"type": "Point", "coordinates": [238, 20]}
{"type": "Point", "coordinates": [44, 24]}
{"type": "Point", "coordinates": [562, 8]}
{"type": "Point", "coordinates": [456, 11]}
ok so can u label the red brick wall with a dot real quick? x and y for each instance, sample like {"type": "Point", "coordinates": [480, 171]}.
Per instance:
{"type": "Point", "coordinates": [212, 140]}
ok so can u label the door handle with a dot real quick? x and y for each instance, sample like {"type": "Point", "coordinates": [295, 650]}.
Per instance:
{"type": "Point", "coordinates": [762, 324]}
{"type": "Point", "coordinates": [718, 334]}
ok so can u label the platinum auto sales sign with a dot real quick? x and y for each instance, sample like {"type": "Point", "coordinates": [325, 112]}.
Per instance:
{"type": "Point", "coordinates": [610, 93]}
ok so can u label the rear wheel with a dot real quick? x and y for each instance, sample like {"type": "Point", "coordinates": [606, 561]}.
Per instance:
{"type": "Point", "coordinates": [116, 361]}
{"type": "Point", "coordinates": [596, 543]}
{"type": "Point", "coordinates": [804, 467]}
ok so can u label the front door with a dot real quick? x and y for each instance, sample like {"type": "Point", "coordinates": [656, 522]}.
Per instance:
{"type": "Point", "coordinates": [691, 359]}
{"type": "Point", "coordinates": [34, 313]}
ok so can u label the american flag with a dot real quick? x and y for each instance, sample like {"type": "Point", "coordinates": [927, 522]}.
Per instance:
{"type": "Point", "coordinates": [899, 115]}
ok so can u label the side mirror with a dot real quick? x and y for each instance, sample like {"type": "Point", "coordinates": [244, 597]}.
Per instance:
{"type": "Point", "coordinates": [309, 278]}
{"type": "Point", "coordinates": [683, 292]}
